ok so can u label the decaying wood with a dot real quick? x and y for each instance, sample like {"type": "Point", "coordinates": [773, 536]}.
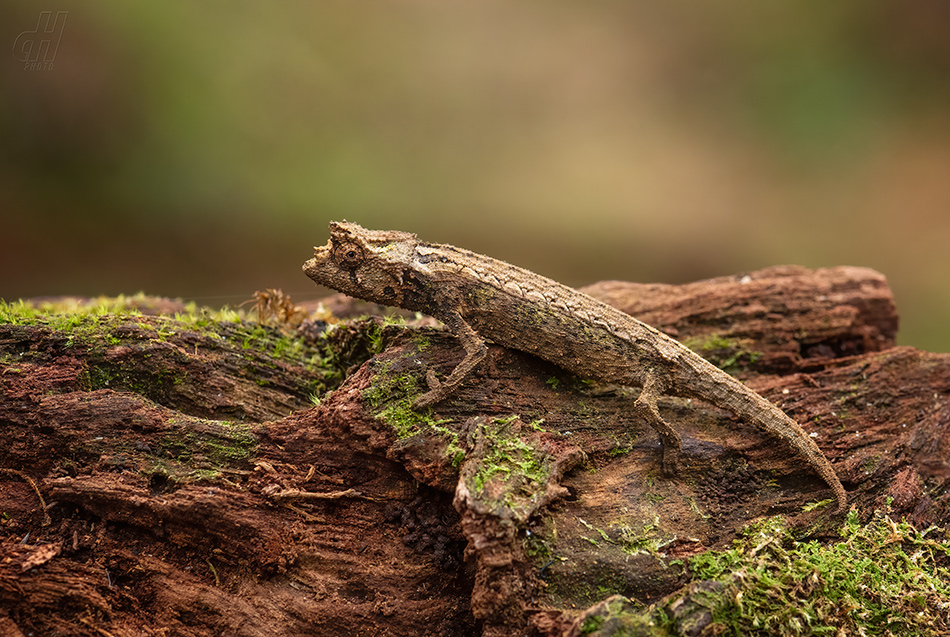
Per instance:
{"type": "Point", "coordinates": [194, 489]}
{"type": "Point", "coordinates": [784, 313]}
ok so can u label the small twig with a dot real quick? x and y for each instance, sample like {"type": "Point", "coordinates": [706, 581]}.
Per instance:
{"type": "Point", "coordinates": [46, 519]}
{"type": "Point", "coordinates": [303, 513]}
{"type": "Point", "coordinates": [297, 494]}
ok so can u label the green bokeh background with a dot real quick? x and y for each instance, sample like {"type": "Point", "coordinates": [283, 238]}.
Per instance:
{"type": "Point", "coordinates": [198, 149]}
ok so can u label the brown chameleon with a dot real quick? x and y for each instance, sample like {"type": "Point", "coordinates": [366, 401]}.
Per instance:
{"type": "Point", "coordinates": [479, 298]}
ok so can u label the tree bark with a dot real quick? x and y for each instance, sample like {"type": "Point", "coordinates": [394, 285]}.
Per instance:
{"type": "Point", "coordinates": [190, 485]}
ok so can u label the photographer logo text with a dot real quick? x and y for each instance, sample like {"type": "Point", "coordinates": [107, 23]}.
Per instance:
{"type": "Point", "coordinates": [37, 48]}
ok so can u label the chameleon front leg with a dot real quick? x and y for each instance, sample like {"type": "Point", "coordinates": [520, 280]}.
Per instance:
{"type": "Point", "coordinates": [475, 352]}
{"type": "Point", "coordinates": [645, 405]}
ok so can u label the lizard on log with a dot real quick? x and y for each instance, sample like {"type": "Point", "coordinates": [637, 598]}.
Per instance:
{"type": "Point", "coordinates": [477, 297]}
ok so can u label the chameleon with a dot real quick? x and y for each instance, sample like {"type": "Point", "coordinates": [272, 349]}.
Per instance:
{"type": "Point", "coordinates": [478, 298]}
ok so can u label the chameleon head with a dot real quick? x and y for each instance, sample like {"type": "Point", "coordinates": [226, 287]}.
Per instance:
{"type": "Point", "coordinates": [367, 264]}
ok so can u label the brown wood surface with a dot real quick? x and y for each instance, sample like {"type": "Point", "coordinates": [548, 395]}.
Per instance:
{"type": "Point", "coordinates": [192, 488]}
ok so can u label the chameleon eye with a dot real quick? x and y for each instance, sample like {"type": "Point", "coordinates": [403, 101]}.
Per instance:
{"type": "Point", "coordinates": [349, 255]}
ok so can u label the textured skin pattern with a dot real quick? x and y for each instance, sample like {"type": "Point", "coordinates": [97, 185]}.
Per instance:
{"type": "Point", "coordinates": [478, 297]}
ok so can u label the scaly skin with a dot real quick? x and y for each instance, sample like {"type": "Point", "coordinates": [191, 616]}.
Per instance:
{"type": "Point", "coordinates": [478, 297]}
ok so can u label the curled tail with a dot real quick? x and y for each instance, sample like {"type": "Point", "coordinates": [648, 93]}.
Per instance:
{"type": "Point", "coordinates": [725, 391]}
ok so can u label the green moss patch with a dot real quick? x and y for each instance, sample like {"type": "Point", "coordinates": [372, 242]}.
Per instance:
{"type": "Point", "coordinates": [390, 397]}
{"type": "Point", "coordinates": [215, 441]}
{"type": "Point", "coordinates": [728, 354]}
{"type": "Point", "coordinates": [507, 455]}
{"type": "Point", "coordinates": [96, 327]}
{"type": "Point", "coordinates": [508, 469]}
{"type": "Point", "coordinates": [883, 578]}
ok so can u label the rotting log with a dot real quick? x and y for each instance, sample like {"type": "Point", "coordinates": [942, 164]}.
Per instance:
{"type": "Point", "coordinates": [193, 486]}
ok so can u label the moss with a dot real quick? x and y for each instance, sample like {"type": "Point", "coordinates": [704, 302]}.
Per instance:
{"type": "Point", "coordinates": [150, 382]}
{"type": "Point", "coordinates": [510, 455]}
{"type": "Point", "coordinates": [871, 463]}
{"type": "Point", "coordinates": [619, 450]}
{"type": "Point", "coordinates": [536, 424]}
{"type": "Point", "coordinates": [422, 342]}
{"type": "Point", "coordinates": [646, 539]}
{"type": "Point", "coordinates": [509, 471]}
{"type": "Point", "coordinates": [391, 396]}
{"type": "Point", "coordinates": [592, 540]}
{"type": "Point", "coordinates": [453, 450]}
{"type": "Point", "coordinates": [351, 343]}
{"type": "Point", "coordinates": [100, 325]}
{"type": "Point", "coordinates": [516, 468]}
{"type": "Point", "coordinates": [618, 616]}
{"type": "Point", "coordinates": [376, 332]}
{"type": "Point", "coordinates": [202, 449]}
{"type": "Point", "coordinates": [84, 320]}
{"type": "Point", "coordinates": [281, 344]}
{"type": "Point", "coordinates": [17, 312]}
{"type": "Point", "coordinates": [694, 507]}
{"type": "Point", "coordinates": [537, 545]}
{"type": "Point", "coordinates": [190, 449]}
{"type": "Point", "coordinates": [91, 315]}
{"type": "Point", "coordinates": [729, 354]}
{"type": "Point", "coordinates": [67, 313]}
{"type": "Point", "coordinates": [238, 443]}
{"type": "Point", "coordinates": [882, 578]}
{"type": "Point", "coordinates": [592, 624]}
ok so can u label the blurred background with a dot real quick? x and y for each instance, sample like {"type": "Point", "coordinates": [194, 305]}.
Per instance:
{"type": "Point", "coordinates": [198, 149]}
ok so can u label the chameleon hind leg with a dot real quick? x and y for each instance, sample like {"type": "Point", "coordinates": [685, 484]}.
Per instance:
{"type": "Point", "coordinates": [645, 406]}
